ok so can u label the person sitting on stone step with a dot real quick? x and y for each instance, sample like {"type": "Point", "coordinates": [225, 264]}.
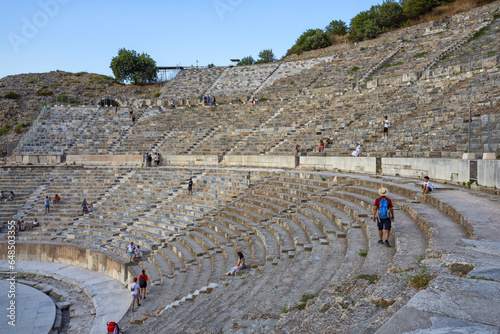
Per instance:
{"type": "Point", "coordinates": [57, 199]}
{"type": "Point", "coordinates": [11, 196]}
{"type": "Point", "coordinates": [33, 225]}
{"type": "Point", "coordinates": [427, 187]}
{"type": "Point", "coordinates": [20, 226]}
{"type": "Point", "coordinates": [240, 265]}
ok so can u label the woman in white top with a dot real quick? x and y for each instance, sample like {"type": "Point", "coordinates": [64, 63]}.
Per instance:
{"type": "Point", "coordinates": [134, 287]}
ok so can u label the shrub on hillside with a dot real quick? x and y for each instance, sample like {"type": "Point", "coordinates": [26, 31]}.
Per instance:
{"type": "Point", "coordinates": [62, 98]}
{"type": "Point", "coordinates": [19, 128]}
{"type": "Point", "coordinates": [45, 93]}
{"type": "Point", "coordinates": [32, 80]}
{"type": "Point", "coordinates": [357, 26]}
{"type": "Point", "coordinates": [389, 14]}
{"type": "Point", "coordinates": [311, 39]}
{"type": "Point", "coordinates": [5, 129]}
{"type": "Point", "coordinates": [11, 95]}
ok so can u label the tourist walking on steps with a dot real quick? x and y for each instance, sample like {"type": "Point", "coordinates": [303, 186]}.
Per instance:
{"type": "Point", "coordinates": [383, 214]}
{"type": "Point", "coordinates": [134, 287]}
{"type": "Point", "coordinates": [386, 128]}
{"type": "Point", "coordinates": [190, 187]}
{"type": "Point", "coordinates": [143, 284]}
{"type": "Point", "coordinates": [85, 208]}
{"type": "Point", "coordinates": [240, 265]}
{"type": "Point", "coordinates": [138, 253]}
{"type": "Point", "coordinates": [130, 251]}
{"type": "Point", "coordinates": [427, 187]}
{"type": "Point", "coordinates": [47, 204]}
{"type": "Point", "coordinates": [248, 180]}
{"type": "Point", "coordinates": [157, 159]}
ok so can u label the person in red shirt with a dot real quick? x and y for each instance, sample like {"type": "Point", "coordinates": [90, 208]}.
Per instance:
{"type": "Point", "coordinates": [143, 284]}
{"type": "Point", "coordinates": [383, 213]}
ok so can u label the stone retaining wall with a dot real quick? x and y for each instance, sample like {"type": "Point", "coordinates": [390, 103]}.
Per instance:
{"type": "Point", "coordinates": [488, 173]}
{"type": "Point", "coordinates": [99, 160]}
{"type": "Point", "coordinates": [71, 255]}
{"type": "Point", "coordinates": [186, 160]}
{"type": "Point", "coordinates": [42, 159]}
{"type": "Point", "coordinates": [344, 164]}
{"type": "Point", "coordinates": [264, 161]}
{"type": "Point", "coordinates": [455, 170]}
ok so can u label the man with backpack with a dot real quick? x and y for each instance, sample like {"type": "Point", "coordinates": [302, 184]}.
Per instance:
{"type": "Point", "coordinates": [383, 207]}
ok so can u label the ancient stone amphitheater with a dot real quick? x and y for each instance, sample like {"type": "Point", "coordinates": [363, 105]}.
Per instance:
{"type": "Point", "coordinates": [304, 224]}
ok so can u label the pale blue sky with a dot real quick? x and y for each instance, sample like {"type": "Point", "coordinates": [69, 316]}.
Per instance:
{"type": "Point", "coordinates": [83, 35]}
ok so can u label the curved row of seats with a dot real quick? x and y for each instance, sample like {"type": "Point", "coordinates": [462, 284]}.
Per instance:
{"type": "Point", "coordinates": [346, 201]}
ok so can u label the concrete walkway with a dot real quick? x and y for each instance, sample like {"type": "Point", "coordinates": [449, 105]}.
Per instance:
{"type": "Point", "coordinates": [111, 298]}
{"type": "Point", "coordinates": [34, 312]}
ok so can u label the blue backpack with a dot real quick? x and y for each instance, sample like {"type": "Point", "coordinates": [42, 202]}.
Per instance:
{"type": "Point", "coordinates": [383, 206]}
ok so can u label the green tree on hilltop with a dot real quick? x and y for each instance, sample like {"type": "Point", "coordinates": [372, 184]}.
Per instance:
{"type": "Point", "coordinates": [246, 61]}
{"type": "Point", "coordinates": [266, 56]}
{"type": "Point", "coordinates": [336, 27]}
{"type": "Point", "coordinates": [129, 66]}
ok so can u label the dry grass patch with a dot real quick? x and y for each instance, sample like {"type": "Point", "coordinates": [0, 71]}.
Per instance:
{"type": "Point", "coordinates": [453, 8]}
